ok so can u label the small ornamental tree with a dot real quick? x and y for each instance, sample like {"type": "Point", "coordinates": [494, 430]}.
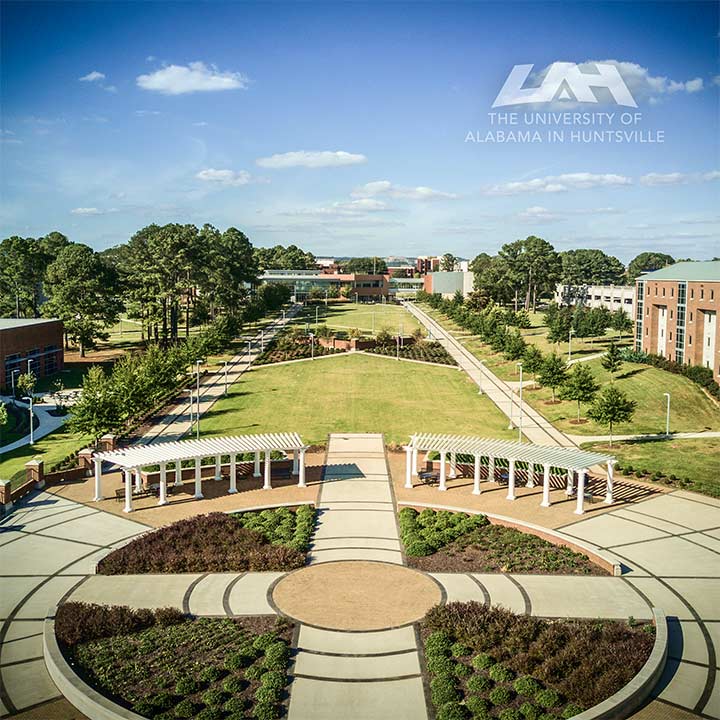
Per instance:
{"type": "Point", "coordinates": [3, 419]}
{"type": "Point", "coordinates": [621, 321]}
{"type": "Point", "coordinates": [98, 409]}
{"type": "Point", "coordinates": [514, 346]}
{"type": "Point", "coordinates": [580, 386]}
{"type": "Point", "coordinates": [612, 360]}
{"type": "Point", "coordinates": [553, 373]}
{"type": "Point", "coordinates": [383, 337]}
{"type": "Point", "coordinates": [533, 360]}
{"type": "Point", "coordinates": [612, 406]}
{"type": "Point", "coordinates": [26, 383]}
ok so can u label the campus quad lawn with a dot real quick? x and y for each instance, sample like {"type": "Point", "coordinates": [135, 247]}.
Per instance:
{"type": "Point", "coordinates": [696, 459]}
{"type": "Point", "coordinates": [346, 316]}
{"type": "Point", "coordinates": [355, 393]}
{"type": "Point", "coordinates": [51, 450]}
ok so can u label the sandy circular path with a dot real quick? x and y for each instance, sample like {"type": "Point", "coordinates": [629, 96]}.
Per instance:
{"type": "Point", "coordinates": [356, 595]}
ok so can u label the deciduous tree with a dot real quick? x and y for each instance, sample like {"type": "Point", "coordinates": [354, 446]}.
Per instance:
{"type": "Point", "coordinates": [612, 406]}
{"type": "Point", "coordinates": [580, 386]}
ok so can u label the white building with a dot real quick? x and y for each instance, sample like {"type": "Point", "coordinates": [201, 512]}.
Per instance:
{"type": "Point", "coordinates": [613, 297]}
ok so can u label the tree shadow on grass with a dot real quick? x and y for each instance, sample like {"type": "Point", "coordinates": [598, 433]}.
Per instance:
{"type": "Point", "coordinates": [631, 373]}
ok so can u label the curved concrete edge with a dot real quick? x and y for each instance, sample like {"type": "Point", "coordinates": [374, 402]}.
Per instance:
{"type": "Point", "coordinates": [252, 508]}
{"type": "Point", "coordinates": [87, 700]}
{"type": "Point", "coordinates": [604, 560]}
{"type": "Point", "coordinates": [630, 698]}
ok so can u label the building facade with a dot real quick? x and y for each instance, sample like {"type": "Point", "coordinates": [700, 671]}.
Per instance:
{"type": "Point", "coordinates": [301, 282]}
{"type": "Point", "coordinates": [613, 297]}
{"type": "Point", "coordinates": [427, 263]}
{"type": "Point", "coordinates": [676, 313]}
{"type": "Point", "coordinates": [448, 283]}
{"type": "Point", "coordinates": [34, 343]}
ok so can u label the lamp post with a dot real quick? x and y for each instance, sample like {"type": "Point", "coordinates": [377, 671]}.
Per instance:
{"type": "Point", "coordinates": [570, 336]}
{"type": "Point", "coordinates": [262, 341]}
{"type": "Point", "coordinates": [312, 346]}
{"type": "Point", "coordinates": [32, 430]}
{"type": "Point", "coordinates": [480, 383]}
{"type": "Point", "coordinates": [226, 377]}
{"type": "Point", "coordinates": [197, 414]}
{"type": "Point", "coordinates": [397, 344]}
{"type": "Point", "coordinates": [190, 395]}
{"type": "Point", "coordinates": [667, 414]}
{"type": "Point", "coordinates": [521, 404]}
{"type": "Point", "coordinates": [401, 335]}
{"type": "Point", "coordinates": [12, 381]}
{"type": "Point", "coordinates": [510, 424]}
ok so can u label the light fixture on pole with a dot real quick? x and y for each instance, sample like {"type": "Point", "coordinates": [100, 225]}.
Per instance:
{"type": "Point", "coordinates": [667, 414]}
{"type": "Point", "coordinates": [12, 381]}
{"type": "Point", "coordinates": [32, 429]}
{"type": "Point", "coordinates": [189, 391]}
{"type": "Point", "coordinates": [197, 413]}
{"type": "Point", "coordinates": [226, 377]}
{"type": "Point", "coordinates": [317, 307]}
{"type": "Point", "coordinates": [512, 402]}
{"type": "Point", "coordinates": [312, 346]}
{"type": "Point", "coordinates": [520, 423]}
{"type": "Point", "coordinates": [570, 336]}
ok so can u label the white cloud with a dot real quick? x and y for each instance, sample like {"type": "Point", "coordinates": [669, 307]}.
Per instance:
{"type": "Point", "coordinates": [351, 208]}
{"type": "Point", "coordinates": [145, 113]}
{"type": "Point", "coordinates": [92, 211]}
{"type": "Point", "coordinates": [202, 123]}
{"type": "Point", "coordinates": [194, 77]}
{"type": "Point", "coordinates": [317, 159]}
{"type": "Point", "coordinates": [385, 187]}
{"type": "Point", "coordinates": [93, 76]}
{"type": "Point", "coordinates": [228, 177]}
{"type": "Point", "coordinates": [537, 213]}
{"type": "Point", "coordinates": [559, 183]}
{"type": "Point", "coordinates": [678, 178]}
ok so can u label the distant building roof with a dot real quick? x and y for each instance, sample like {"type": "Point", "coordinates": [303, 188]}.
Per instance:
{"type": "Point", "coordinates": [12, 323]}
{"type": "Point", "coordinates": [689, 271]}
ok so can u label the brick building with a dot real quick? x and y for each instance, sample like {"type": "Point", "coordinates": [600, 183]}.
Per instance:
{"type": "Point", "coordinates": [38, 341]}
{"type": "Point", "coordinates": [676, 313]}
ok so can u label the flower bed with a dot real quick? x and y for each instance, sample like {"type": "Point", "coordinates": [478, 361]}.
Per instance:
{"type": "Point", "coordinates": [293, 348]}
{"type": "Point", "coordinates": [426, 351]}
{"type": "Point", "coordinates": [165, 666]}
{"type": "Point", "coordinates": [269, 540]}
{"type": "Point", "coordinates": [443, 541]}
{"type": "Point", "coordinates": [491, 663]}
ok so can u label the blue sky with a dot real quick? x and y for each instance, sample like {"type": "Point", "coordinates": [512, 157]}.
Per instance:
{"type": "Point", "coordinates": [343, 127]}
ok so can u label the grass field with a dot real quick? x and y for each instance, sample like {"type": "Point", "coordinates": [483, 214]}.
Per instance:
{"type": "Point", "coordinates": [355, 393]}
{"type": "Point", "coordinates": [51, 449]}
{"type": "Point", "coordinates": [696, 459]}
{"type": "Point", "coordinates": [367, 318]}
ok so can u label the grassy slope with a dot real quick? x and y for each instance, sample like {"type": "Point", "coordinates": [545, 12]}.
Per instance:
{"type": "Point", "coordinates": [355, 393]}
{"type": "Point", "coordinates": [697, 460]}
{"type": "Point", "coordinates": [345, 316]}
{"type": "Point", "coordinates": [691, 409]}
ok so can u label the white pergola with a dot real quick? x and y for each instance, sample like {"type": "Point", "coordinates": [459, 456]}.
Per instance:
{"type": "Point", "coordinates": [133, 459]}
{"type": "Point", "coordinates": [574, 460]}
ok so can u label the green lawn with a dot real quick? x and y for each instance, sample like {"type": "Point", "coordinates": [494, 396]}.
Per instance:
{"type": "Point", "coordinates": [355, 393]}
{"type": "Point", "coordinates": [51, 449]}
{"type": "Point", "coordinates": [346, 316]}
{"type": "Point", "coordinates": [693, 459]}
{"type": "Point", "coordinates": [691, 409]}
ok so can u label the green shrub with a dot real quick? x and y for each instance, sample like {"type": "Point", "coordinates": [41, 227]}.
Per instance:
{"type": "Point", "coordinates": [510, 714]}
{"type": "Point", "coordinates": [210, 713]}
{"type": "Point", "coordinates": [184, 709]}
{"type": "Point", "coordinates": [210, 674]}
{"type": "Point", "coordinates": [527, 686]}
{"type": "Point", "coordinates": [275, 679]}
{"type": "Point", "coordinates": [236, 705]}
{"type": "Point", "coordinates": [276, 656]}
{"type": "Point", "coordinates": [255, 672]}
{"type": "Point", "coordinates": [144, 707]}
{"type": "Point", "coordinates": [462, 670]}
{"type": "Point", "coordinates": [443, 689]}
{"type": "Point", "coordinates": [441, 665]}
{"type": "Point", "coordinates": [500, 673]}
{"type": "Point", "coordinates": [479, 683]}
{"type": "Point", "coordinates": [163, 700]}
{"type": "Point", "coordinates": [571, 710]}
{"type": "Point", "coordinates": [186, 686]}
{"type": "Point", "coordinates": [459, 649]}
{"type": "Point", "coordinates": [234, 685]}
{"type": "Point", "coordinates": [547, 699]}
{"type": "Point", "coordinates": [482, 661]}
{"type": "Point", "coordinates": [418, 548]}
{"type": "Point", "coordinates": [452, 711]}
{"type": "Point", "coordinates": [266, 694]}
{"type": "Point", "coordinates": [477, 705]}
{"type": "Point", "coordinates": [213, 697]}
{"type": "Point", "coordinates": [501, 696]}
{"type": "Point", "coordinates": [264, 641]}
{"type": "Point", "coordinates": [238, 660]}
{"type": "Point", "coordinates": [438, 643]}
{"type": "Point", "coordinates": [530, 711]}
{"type": "Point", "coordinates": [266, 711]}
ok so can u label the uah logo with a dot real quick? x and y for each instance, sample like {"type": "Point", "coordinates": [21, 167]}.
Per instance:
{"type": "Point", "coordinates": [564, 81]}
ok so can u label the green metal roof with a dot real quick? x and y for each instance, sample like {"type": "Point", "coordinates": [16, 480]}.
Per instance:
{"type": "Point", "coordinates": [689, 271]}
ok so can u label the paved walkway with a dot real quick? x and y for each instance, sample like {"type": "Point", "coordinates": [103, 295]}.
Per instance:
{"type": "Point", "coordinates": [47, 423]}
{"type": "Point", "coordinates": [535, 427]}
{"type": "Point", "coordinates": [657, 436]}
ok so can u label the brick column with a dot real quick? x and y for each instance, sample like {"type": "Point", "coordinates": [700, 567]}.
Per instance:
{"type": "Point", "coordinates": [5, 497]}
{"type": "Point", "coordinates": [35, 472]}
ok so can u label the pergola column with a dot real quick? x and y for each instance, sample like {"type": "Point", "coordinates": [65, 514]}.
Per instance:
{"type": "Point", "coordinates": [163, 484]}
{"type": "Point", "coordinates": [414, 462]}
{"type": "Point", "coordinates": [98, 480]}
{"type": "Point", "coordinates": [609, 482]}
{"type": "Point", "coordinates": [570, 474]}
{"type": "Point", "coordinates": [476, 476]}
{"type": "Point", "coordinates": [295, 462]}
{"type": "Point", "coordinates": [178, 473]}
{"type": "Point", "coordinates": [546, 487]}
{"type": "Point", "coordinates": [443, 473]}
{"type": "Point", "coordinates": [256, 471]}
{"type": "Point", "coordinates": [128, 490]}
{"type": "Point", "coordinates": [301, 469]}
{"type": "Point", "coordinates": [267, 485]}
{"type": "Point", "coordinates": [138, 480]}
{"type": "Point", "coordinates": [491, 469]}
{"type": "Point", "coordinates": [198, 479]}
{"type": "Point", "coordinates": [580, 510]}
{"type": "Point", "coordinates": [453, 465]}
{"type": "Point", "coordinates": [218, 467]}
{"type": "Point", "coordinates": [511, 480]}
{"type": "Point", "coordinates": [233, 473]}
{"type": "Point", "coordinates": [408, 467]}
{"type": "Point", "coordinates": [531, 475]}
